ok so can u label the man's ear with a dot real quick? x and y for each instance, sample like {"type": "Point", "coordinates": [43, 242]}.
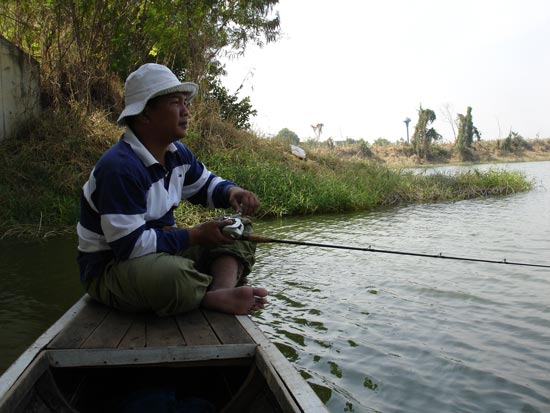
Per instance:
{"type": "Point", "coordinates": [143, 117]}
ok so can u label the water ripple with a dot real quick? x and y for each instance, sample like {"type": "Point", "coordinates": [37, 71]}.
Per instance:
{"type": "Point", "coordinates": [375, 332]}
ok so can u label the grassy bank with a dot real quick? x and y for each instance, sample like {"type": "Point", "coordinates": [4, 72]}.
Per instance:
{"type": "Point", "coordinates": [43, 169]}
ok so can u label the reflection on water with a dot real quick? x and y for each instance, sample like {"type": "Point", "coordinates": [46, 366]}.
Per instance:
{"type": "Point", "coordinates": [38, 283]}
{"type": "Point", "coordinates": [373, 332]}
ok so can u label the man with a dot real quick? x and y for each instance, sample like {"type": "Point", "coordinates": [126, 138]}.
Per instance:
{"type": "Point", "coordinates": [131, 256]}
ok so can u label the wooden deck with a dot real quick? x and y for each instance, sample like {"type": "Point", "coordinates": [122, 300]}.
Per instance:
{"type": "Point", "coordinates": [96, 338]}
{"type": "Point", "coordinates": [112, 337]}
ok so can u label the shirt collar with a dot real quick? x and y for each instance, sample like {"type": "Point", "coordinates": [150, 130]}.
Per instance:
{"type": "Point", "coordinates": [140, 150]}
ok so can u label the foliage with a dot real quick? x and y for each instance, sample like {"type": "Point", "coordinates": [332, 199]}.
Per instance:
{"type": "Point", "coordinates": [288, 136]}
{"type": "Point", "coordinates": [514, 142]}
{"type": "Point", "coordinates": [424, 135]}
{"type": "Point", "coordinates": [60, 149]}
{"type": "Point", "coordinates": [466, 185]}
{"type": "Point", "coordinates": [381, 142]}
{"type": "Point", "coordinates": [231, 108]}
{"type": "Point", "coordinates": [364, 149]}
{"type": "Point", "coordinates": [466, 133]}
{"type": "Point", "coordinates": [86, 47]}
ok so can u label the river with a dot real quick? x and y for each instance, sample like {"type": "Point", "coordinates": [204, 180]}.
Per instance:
{"type": "Point", "coordinates": [373, 332]}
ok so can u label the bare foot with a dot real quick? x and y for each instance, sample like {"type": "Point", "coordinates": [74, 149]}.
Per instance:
{"type": "Point", "coordinates": [240, 300]}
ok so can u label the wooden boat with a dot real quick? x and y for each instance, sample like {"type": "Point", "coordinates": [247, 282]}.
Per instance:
{"type": "Point", "coordinates": [96, 359]}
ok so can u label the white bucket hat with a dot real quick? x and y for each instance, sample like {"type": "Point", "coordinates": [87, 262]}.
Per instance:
{"type": "Point", "coordinates": [147, 82]}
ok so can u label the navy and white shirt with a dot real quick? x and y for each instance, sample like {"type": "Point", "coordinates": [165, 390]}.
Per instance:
{"type": "Point", "coordinates": [129, 198]}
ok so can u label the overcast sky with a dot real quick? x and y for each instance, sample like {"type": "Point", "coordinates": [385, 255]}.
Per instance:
{"type": "Point", "coordinates": [360, 67]}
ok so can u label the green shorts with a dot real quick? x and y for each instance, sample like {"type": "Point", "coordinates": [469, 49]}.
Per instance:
{"type": "Point", "coordinates": [164, 283]}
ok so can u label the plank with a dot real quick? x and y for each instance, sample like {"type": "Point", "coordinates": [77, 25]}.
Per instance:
{"type": "Point", "coordinates": [111, 331]}
{"type": "Point", "coordinates": [227, 328]}
{"type": "Point", "coordinates": [163, 332]}
{"type": "Point", "coordinates": [81, 326]}
{"type": "Point", "coordinates": [148, 355]}
{"type": "Point", "coordinates": [196, 330]}
{"type": "Point", "coordinates": [135, 336]}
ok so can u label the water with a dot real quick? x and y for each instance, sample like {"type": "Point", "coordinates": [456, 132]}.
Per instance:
{"type": "Point", "coordinates": [38, 283]}
{"type": "Point", "coordinates": [376, 332]}
{"type": "Point", "coordinates": [373, 332]}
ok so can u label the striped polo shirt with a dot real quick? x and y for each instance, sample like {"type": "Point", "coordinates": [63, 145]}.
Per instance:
{"type": "Point", "coordinates": [129, 198]}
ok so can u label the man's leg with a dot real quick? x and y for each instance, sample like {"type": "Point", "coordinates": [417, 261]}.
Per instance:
{"type": "Point", "coordinates": [226, 270]}
{"type": "Point", "coordinates": [229, 266]}
{"type": "Point", "coordinates": [166, 284]}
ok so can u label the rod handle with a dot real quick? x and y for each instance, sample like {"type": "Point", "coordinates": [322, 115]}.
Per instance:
{"type": "Point", "coordinates": [256, 238]}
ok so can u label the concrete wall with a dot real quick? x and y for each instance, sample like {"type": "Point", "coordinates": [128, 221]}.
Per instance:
{"type": "Point", "coordinates": [19, 88]}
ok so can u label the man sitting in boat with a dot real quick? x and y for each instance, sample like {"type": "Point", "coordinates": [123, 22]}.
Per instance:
{"type": "Point", "coordinates": [130, 254]}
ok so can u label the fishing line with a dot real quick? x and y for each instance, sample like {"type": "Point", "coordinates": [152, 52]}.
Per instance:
{"type": "Point", "coordinates": [262, 239]}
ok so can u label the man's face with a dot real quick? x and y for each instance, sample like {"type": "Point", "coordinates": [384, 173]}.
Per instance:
{"type": "Point", "coordinates": [169, 114]}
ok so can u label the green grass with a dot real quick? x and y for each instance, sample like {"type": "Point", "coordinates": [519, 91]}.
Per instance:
{"type": "Point", "coordinates": [43, 169]}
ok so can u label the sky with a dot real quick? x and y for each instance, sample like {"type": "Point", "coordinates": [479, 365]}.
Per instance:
{"type": "Point", "coordinates": [361, 67]}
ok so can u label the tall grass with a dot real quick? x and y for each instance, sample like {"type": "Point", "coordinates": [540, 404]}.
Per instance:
{"type": "Point", "coordinates": [43, 169]}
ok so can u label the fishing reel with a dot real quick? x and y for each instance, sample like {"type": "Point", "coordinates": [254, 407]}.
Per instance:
{"type": "Point", "coordinates": [234, 230]}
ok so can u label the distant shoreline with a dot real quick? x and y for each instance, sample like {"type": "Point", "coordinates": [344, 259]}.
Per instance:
{"type": "Point", "coordinates": [483, 152]}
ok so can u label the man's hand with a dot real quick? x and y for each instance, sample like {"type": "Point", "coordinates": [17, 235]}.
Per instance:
{"type": "Point", "coordinates": [209, 234]}
{"type": "Point", "coordinates": [243, 201]}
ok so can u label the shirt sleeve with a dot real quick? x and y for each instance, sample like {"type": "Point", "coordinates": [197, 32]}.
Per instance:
{"type": "Point", "coordinates": [203, 187]}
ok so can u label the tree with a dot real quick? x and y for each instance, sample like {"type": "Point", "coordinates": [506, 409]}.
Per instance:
{"type": "Point", "coordinates": [286, 135]}
{"type": "Point", "coordinates": [466, 133]}
{"type": "Point", "coordinates": [381, 142]}
{"type": "Point", "coordinates": [423, 134]}
{"type": "Point", "coordinates": [231, 108]}
{"type": "Point", "coordinates": [448, 115]}
{"type": "Point", "coordinates": [84, 45]}
{"type": "Point", "coordinates": [514, 142]}
{"type": "Point", "coordinates": [317, 130]}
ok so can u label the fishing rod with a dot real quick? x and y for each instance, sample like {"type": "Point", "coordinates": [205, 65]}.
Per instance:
{"type": "Point", "coordinates": [262, 239]}
{"type": "Point", "coordinates": [235, 230]}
